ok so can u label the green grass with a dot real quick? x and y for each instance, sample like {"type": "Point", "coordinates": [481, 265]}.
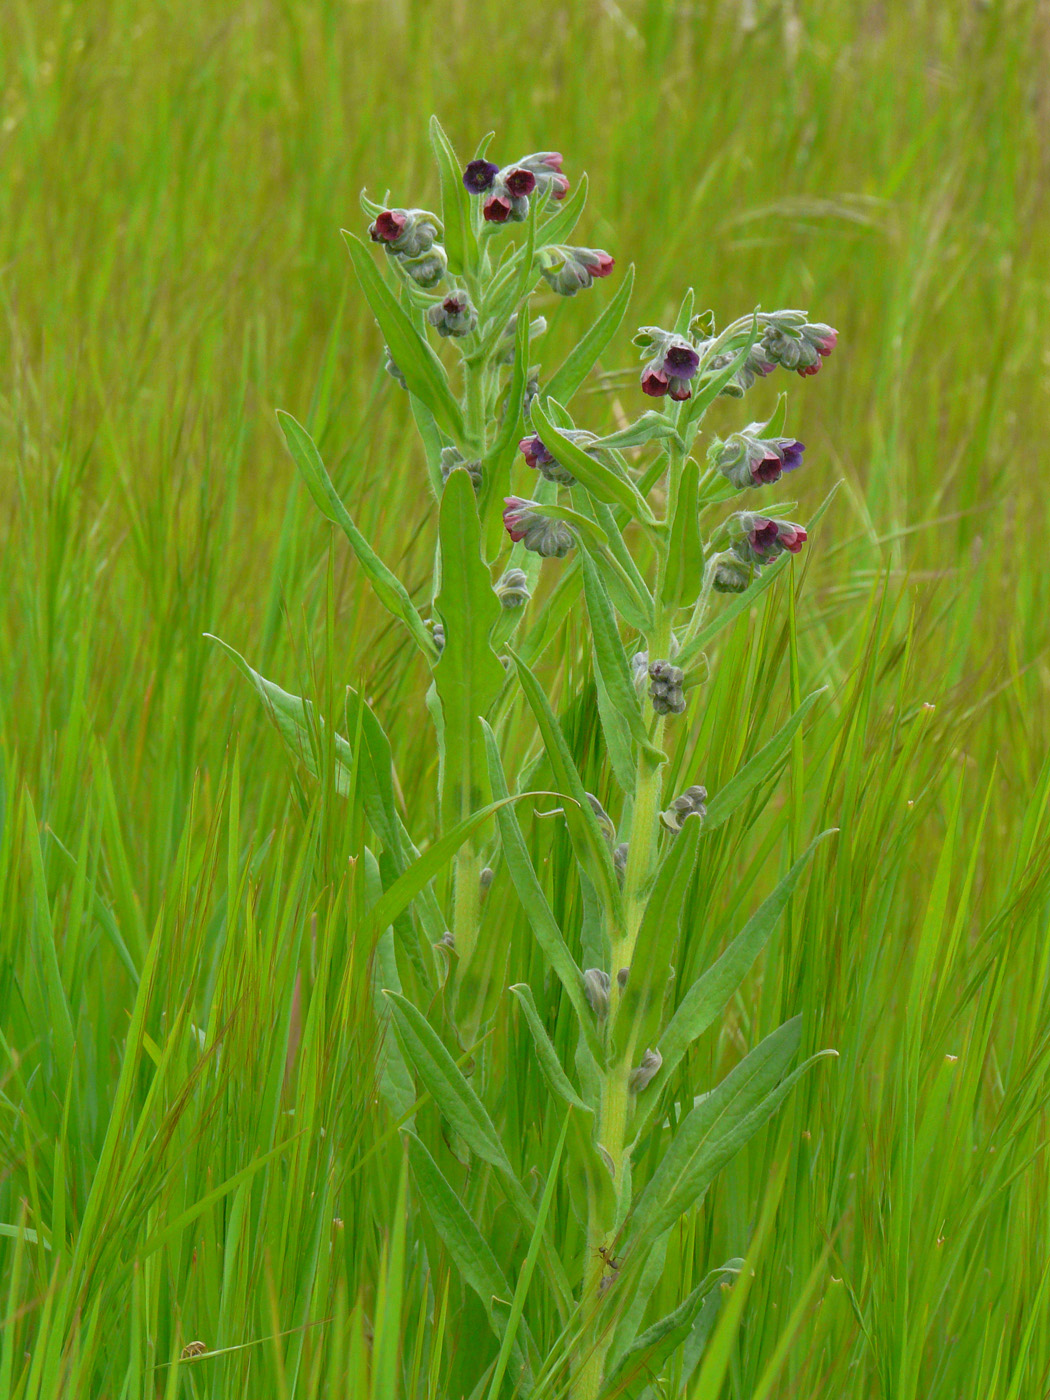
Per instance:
{"type": "Point", "coordinates": [191, 1142]}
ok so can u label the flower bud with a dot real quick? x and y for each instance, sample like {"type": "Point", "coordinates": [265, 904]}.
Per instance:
{"type": "Point", "coordinates": [792, 342]}
{"type": "Point", "coordinates": [507, 342]}
{"type": "Point", "coordinates": [568, 270]}
{"type": "Point", "coordinates": [620, 860]}
{"type": "Point", "coordinates": [665, 688]}
{"type": "Point", "coordinates": [438, 629]}
{"type": "Point", "coordinates": [408, 232]}
{"type": "Point", "coordinates": [513, 589]}
{"type": "Point", "coordinates": [731, 575]}
{"type": "Point", "coordinates": [690, 801]}
{"type": "Point", "coordinates": [604, 820]}
{"type": "Point", "coordinates": [455, 316]}
{"type": "Point", "coordinates": [452, 460]}
{"type": "Point", "coordinates": [428, 268]}
{"type": "Point", "coordinates": [546, 166]}
{"type": "Point", "coordinates": [479, 175]}
{"type": "Point", "coordinates": [392, 369]}
{"type": "Point", "coordinates": [622, 976]}
{"type": "Point", "coordinates": [646, 1071]}
{"type": "Point", "coordinates": [537, 532]}
{"type": "Point", "coordinates": [486, 877]}
{"type": "Point", "coordinates": [596, 989]}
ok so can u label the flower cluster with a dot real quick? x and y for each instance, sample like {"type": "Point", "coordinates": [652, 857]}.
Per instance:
{"type": "Point", "coordinates": [509, 187]}
{"type": "Point", "coordinates": [411, 237]}
{"type": "Point", "coordinates": [455, 316]}
{"type": "Point", "coordinates": [526, 523]}
{"type": "Point", "coordinates": [453, 460]}
{"type": "Point", "coordinates": [692, 801]}
{"type": "Point", "coordinates": [570, 270]}
{"type": "Point", "coordinates": [756, 540]}
{"type": "Point", "coordinates": [748, 459]}
{"type": "Point", "coordinates": [788, 340]}
{"type": "Point", "coordinates": [673, 361]}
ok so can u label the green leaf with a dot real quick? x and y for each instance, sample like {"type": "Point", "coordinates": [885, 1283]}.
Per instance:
{"type": "Point", "coordinates": [389, 589]}
{"type": "Point", "coordinates": [692, 649]}
{"type": "Point", "coordinates": [611, 658]}
{"type": "Point", "coordinates": [603, 483]}
{"type": "Point", "coordinates": [650, 427]}
{"type": "Point", "coordinates": [445, 1082]}
{"type": "Point", "coordinates": [728, 798]}
{"type": "Point", "coordinates": [422, 369]}
{"type": "Point", "coordinates": [711, 385]}
{"type": "Point", "coordinates": [461, 245]}
{"type": "Point", "coordinates": [375, 771]}
{"type": "Point", "coordinates": [592, 849]}
{"type": "Point", "coordinates": [716, 1129]}
{"type": "Point", "coordinates": [569, 377]}
{"type": "Point", "coordinates": [468, 675]}
{"type": "Point", "coordinates": [685, 553]}
{"type": "Point", "coordinates": [642, 1006]}
{"type": "Point", "coordinates": [496, 465]}
{"type": "Point", "coordinates": [566, 216]}
{"type": "Point", "coordinates": [550, 1065]}
{"type": "Point", "coordinates": [534, 902]}
{"type": "Point", "coordinates": [710, 993]}
{"type": "Point", "coordinates": [468, 1247]}
{"type": "Point", "coordinates": [648, 1353]}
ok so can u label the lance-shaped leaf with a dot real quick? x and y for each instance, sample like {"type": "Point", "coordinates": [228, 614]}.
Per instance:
{"type": "Point", "coordinates": [468, 1247]}
{"type": "Point", "coordinates": [627, 588]}
{"type": "Point", "coordinates": [602, 482]}
{"type": "Point", "coordinates": [533, 900]}
{"type": "Point", "coordinates": [716, 1129]}
{"type": "Point", "coordinates": [389, 589]}
{"type": "Point", "coordinates": [711, 385]}
{"type": "Point", "coordinates": [727, 799]}
{"type": "Point", "coordinates": [588, 1178]}
{"type": "Point", "coordinates": [641, 1009]}
{"type": "Point", "coordinates": [650, 427]}
{"type": "Point", "coordinates": [395, 1082]}
{"type": "Point", "coordinates": [422, 369]}
{"type": "Point", "coordinates": [589, 843]}
{"type": "Point", "coordinates": [375, 772]}
{"type": "Point", "coordinates": [468, 676]}
{"type": "Point", "coordinates": [570, 376]}
{"type": "Point", "coordinates": [566, 216]}
{"type": "Point", "coordinates": [685, 553]}
{"type": "Point", "coordinates": [461, 244]}
{"type": "Point", "coordinates": [612, 659]}
{"type": "Point", "coordinates": [496, 465]}
{"type": "Point", "coordinates": [550, 1065]}
{"type": "Point", "coordinates": [634, 1371]}
{"type": "Point", "coordinates": [709, 994]}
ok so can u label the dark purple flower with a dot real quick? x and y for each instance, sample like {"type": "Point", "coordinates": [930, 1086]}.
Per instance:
{"type": "Point", "coordinates": [536, 455]}
{"type": "Point", "coordinates": [497, 209]}
{"type": "Point", "coordinates": [389, 226]}
{"type": "Point", "coordinates": [765, 470]}
{"type": "Point", "coordinates": [681, 361]}
{"type": "Point", "coordinates": [792, 454]}
{"type": "Point", "coordinates": [479, 175]}
{"type": "Point", "coordinates": [763, 534]}
{"type": "Point", "coordinates": [654, 382]}
{"type": "Point", "coordinates": [519, 181]}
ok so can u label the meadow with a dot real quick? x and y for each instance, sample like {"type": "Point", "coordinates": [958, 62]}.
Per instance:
{"type": "Point", "coordinates": [192, 1142]}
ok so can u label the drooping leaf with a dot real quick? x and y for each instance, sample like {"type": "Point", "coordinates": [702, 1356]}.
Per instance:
{"type": "Point", "coordinates": [650, 427]}
{"type": "Point", "coordinates": [547, 1057]}
{"type": "Point", "coordinates": [389, 589]}
{"type": "Point", "coordinates": [416, 360]}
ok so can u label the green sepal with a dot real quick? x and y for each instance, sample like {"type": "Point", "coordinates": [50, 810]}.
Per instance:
{"type": "Point", "coordinates": [389, 589]}
{"type": "Point", "coordinates": [423, 371]}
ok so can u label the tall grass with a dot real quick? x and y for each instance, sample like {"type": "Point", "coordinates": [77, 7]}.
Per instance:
{"type": "Point", "coordinates": [191, 1141]}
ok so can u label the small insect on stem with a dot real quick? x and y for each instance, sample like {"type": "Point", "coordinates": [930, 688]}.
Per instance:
{"type": "Point", "coordinates": [608, 1260]}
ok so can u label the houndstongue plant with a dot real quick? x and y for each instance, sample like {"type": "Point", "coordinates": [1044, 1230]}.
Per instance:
{"type": "Point", "coordinates": [518, 482]}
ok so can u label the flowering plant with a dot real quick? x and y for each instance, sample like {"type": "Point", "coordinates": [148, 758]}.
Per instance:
{"type": "Point", "coordinates": [495, 424]}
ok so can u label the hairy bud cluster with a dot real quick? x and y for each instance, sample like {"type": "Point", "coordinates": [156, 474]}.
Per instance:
{"type": "Point", "coordinates": [525, 522]}
{"type": "Point", "coordinates": [512, 589]}
{"type": "Point", "coordinates": [691, 802]}
{"type": "Point", "coordinates": [453, 460]}
{"type": "Point", "coordinates": [665, 688]}
{"type": "Point", "coordinates": [455, 316]}
{"type": "Point", "coordinates": [596, 989]}
{"type": "Point", "coordinates": [646, 1071]}
{"type": "Point", "coordinates": [411, 237]}
{"type": "Point", "coordinates": [570, 270]}
{"type": "Point", "coordinates": [756, 540]}
{"type": "Point", "coordinates": [746, 459]}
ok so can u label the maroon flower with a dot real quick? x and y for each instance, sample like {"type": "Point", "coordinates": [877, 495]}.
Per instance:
{"type": "Point", "coordinates": [517, 516]}
{"type": "Point", "coordinates": [479, 175]}
{"type": "Point", "coordinates": [654, 382]}
{"type": "Point", "coordinates": [679, 389]}
{"type": "Point", "coordinates": [806, 370]}
{"type": "Point", "coordinates": [763, 534]}
{"type": "Point", "coordinates": [766, 469]}
{"type": "Point", "coordinates": [519, 181]}
{"type": "Point", "coordinates": [792, 537]}
{"type": "Point", "coordinates": [497, 209]}
{"type": "Point", "coordinates": [389, 226]}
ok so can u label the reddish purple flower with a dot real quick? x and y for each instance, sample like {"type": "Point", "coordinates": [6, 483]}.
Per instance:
{"type": "Point", "coordinates": [792, 537]}
{"type": "Point", "coordinates": [497, 209]}
{"type": "Point", "coordinates": [597, 262]}
{"type": "Point", "coordinates": [389, 226]}
{"type": "Point", "coordinates": [679, 389]}
{"type": "Point", "coordinates": [763, 534]}
{"type": "Point", "coordinates": [517, 516]}
{"type": "Point", "coordinates": [479, 175]}
{"type": "Point", "coordinates": [561, 186]}
{"type": "Point", "coordinates": [827, 343]}
{"type": "Point", "coordinates": [792, 454]}
{"type": "Point", "coordinates": [681, 361]}
{"type": "Point", "coordinates": [536, 455]}
{"type": "Point", "coordinates": [654, 382]}
{"type": "Point", "coordinates": [806, 370]}
{"type": "Point", "coordinates": [551, 159]}
{"type": "Point", "coordinates": [519, 181]}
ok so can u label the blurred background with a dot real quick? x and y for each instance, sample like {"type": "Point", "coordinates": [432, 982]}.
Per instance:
{"type": "Point", "coordinates": [174, 179]}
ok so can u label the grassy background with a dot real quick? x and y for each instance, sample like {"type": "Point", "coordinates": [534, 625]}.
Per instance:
{"type": "Point", "coordinates": [174, 178]}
